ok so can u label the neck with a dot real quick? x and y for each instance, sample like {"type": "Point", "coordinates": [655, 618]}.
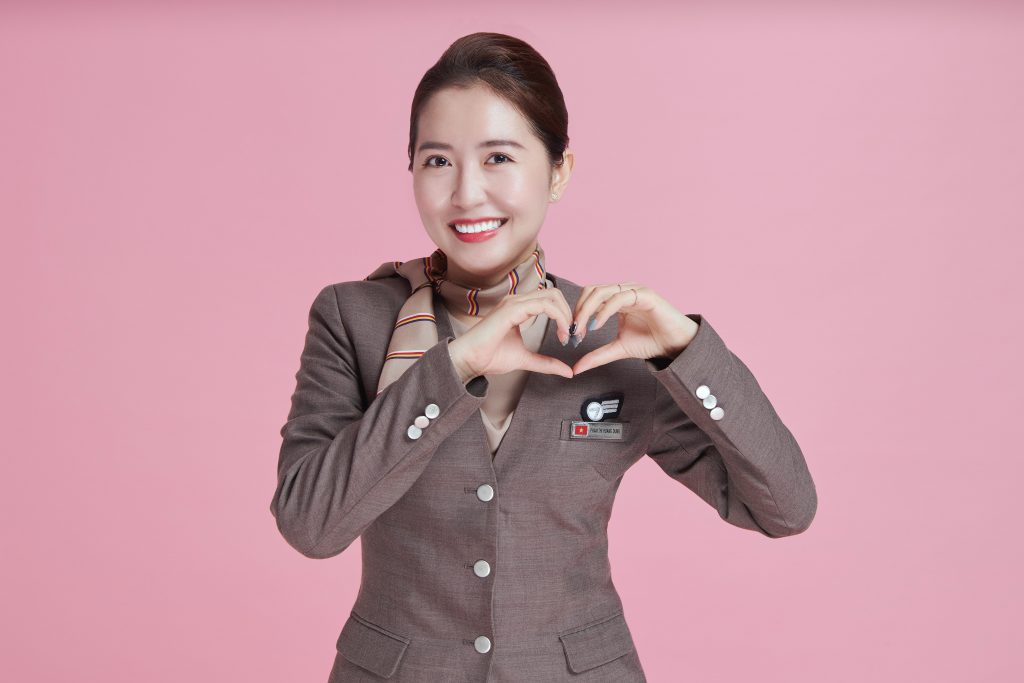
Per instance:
{"type": "Point", "coordinates": [458, 274]}
{"type": "Point", "coordinates": [476, 294]}
{"type": "Point", "coordinates": [475, 280]}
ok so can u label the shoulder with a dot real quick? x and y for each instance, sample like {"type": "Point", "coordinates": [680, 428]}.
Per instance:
{"type": "Point", "coordinates": [363, 296]}
{"type": "Point", "coordinates": [362, 311]}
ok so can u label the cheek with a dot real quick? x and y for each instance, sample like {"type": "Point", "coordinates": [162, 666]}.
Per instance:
{"type": "Point", "coordinates": [516, 187]}
{"type": "Point", "coordinates": [520, 195]}
{"type": "Point", "coordinates": [431, 198]}
{"type": "Point", "coordinates": [421, 188]}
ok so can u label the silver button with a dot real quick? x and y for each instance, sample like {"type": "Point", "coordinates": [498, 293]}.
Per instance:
{"type": "Point", "coordinates": [710, 401]}
{"type": "Point", "coordinates": [717, 413]}
{"type": "Point", "coordinates": [432, 411]}
{"type": "Point", "coordinates": [485, 492]}
{"type": "Point", "coordinates": [481, 568]}
{"type": "Point", "coordinates": [421, 422]}
{"type": "Point", "coordinates": [702, 391]}
{"type": "Point", "coordinates": [482, 644]}
{"type": "Point", "coordinates": [414, 432]}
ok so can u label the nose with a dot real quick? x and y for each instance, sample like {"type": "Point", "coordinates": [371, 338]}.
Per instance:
{"type": "Point", "coordinates": [469, 188]}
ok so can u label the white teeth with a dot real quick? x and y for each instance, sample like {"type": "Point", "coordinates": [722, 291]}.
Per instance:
{"type": "Point", "coordinates": [478, 227]}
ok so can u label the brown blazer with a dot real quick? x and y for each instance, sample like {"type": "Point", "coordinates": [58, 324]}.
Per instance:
{"type": "Point", "coordinates": [476, 569]}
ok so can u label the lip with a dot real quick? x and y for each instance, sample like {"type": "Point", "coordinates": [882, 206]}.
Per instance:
{"type": "Point", "coordinates": [477, 236]}
{"type": "Point", "coordinates": [470, 221]}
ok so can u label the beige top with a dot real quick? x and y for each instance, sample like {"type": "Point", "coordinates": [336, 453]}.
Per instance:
{"type": "Point", "coordinates": [503, 391]}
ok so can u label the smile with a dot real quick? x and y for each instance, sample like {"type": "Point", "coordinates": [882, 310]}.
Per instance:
{"type": "Point", "coordinates": [480, 226]}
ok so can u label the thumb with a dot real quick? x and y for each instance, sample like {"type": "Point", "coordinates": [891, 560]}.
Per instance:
{"type": "Point", "coordinates": [538, 362]}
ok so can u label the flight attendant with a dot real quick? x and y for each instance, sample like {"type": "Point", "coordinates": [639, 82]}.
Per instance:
{"type": "Point", "coordinates": [469, 414]}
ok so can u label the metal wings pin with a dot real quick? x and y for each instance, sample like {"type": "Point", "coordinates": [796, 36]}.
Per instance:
{"type": "Point", "coordinates": [595, 424]}
{"type": "Point", "coordinates": [602, 407]}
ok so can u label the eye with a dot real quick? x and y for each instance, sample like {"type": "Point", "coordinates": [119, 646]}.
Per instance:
{"type": "Point", "coordinates": [506, 159]}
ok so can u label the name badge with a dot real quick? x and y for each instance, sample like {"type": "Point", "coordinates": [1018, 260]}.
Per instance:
{"type": "Point", "coordinates": [596, 430]}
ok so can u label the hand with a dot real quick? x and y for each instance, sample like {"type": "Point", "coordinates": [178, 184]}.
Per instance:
{"type": "Point", "coordinates": [495, 345]}
{"type": "Point", "coordinates": [649, 328]}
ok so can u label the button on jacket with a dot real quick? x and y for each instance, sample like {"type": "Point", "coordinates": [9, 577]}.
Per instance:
{"type": "Point", "coordinates": [478, 568]}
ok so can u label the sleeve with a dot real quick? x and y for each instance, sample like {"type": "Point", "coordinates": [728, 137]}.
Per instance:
{"type": "Point", "coordinates": [340, 468]}
{"type": "Point", "coordinates": [746, 465]}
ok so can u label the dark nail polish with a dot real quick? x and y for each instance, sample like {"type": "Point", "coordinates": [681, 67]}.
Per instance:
{"type": "Point", "coordinates": [572, 328]}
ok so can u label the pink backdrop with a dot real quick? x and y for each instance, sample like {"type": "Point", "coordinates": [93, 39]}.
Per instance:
{"type": "Point", "coordinates": [838, 191]}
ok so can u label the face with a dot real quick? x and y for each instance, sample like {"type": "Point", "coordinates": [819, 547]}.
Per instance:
{"type": "Point", "coordinates": [476, 158]}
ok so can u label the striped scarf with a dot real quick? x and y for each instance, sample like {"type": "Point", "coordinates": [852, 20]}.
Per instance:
{"type": "Point", "coordinates": [415, 329]}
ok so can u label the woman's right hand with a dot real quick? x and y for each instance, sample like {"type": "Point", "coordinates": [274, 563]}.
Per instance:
{"type": "Point", "coordinates": [495, 345]}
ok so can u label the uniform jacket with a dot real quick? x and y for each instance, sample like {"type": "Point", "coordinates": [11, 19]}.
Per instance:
{"type": "Point", "coordinates": [496, 569]}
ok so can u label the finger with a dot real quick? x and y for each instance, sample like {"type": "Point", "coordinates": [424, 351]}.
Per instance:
{"type": "Point", "coordinates": [538, 362]}
{"type": "Point", "coordinates": [612, 351]}
{"type": "Point", "coordinates": [599, 301]}
{"type": "Point", "coordinates": [562, 316]}
{"type": "Point", "coordinates": [584, 295]}
{"type": "Point", "coordinates": [625, 300]}
{"type": "Point", "coordinates": [582, 304]}
{"type": "Point", "coordinates": [528, 306]}
{"type": "Point", "coordinates": [589, 303]}
{"type": "Point", "coordinates": [563, 305]}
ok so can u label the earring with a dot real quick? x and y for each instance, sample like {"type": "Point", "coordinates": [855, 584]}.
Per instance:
{"type": "Point", "coordinates": [554, 195]}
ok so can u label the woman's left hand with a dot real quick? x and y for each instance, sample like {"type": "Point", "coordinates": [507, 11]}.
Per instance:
{"type": "Point", "coordinates": [649, 326]}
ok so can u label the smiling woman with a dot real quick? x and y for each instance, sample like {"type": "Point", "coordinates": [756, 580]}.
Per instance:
{"type": "Point", "coordinates": [488, 149]}
{"type": "Point", "coordinates": [441, 415]}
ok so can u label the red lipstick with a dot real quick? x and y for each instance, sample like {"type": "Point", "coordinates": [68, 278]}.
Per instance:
{"type": "Point", "coordinates": [481, 236]}
{"type": "Point", "coordinates": [464, 221]}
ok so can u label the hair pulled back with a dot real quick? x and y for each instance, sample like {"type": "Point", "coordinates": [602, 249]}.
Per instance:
{"type": "Point", "coordinates": [513, 70]}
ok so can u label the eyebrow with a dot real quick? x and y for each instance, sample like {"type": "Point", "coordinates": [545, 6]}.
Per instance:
{"type": "Point", "coordinates": [430, 144]}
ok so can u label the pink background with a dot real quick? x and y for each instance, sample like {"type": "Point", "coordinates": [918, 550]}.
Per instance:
{"type": "Point", "coordinates": [838, 191]}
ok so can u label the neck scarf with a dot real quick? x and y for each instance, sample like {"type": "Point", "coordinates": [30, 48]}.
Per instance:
{"type": "Point", "coordinates": [415, 330]}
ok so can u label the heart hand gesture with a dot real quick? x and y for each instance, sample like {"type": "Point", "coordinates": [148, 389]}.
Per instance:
{"type": "Point", "coordinates": [649, 326]}
{"type": "Point", "coordinates": [494, 345]}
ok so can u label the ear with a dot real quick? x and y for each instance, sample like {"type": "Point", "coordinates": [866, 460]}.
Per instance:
{"type": "Point", "coordinates": [560, 174]}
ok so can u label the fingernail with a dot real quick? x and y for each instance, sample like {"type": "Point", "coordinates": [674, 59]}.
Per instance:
{"type": "Point", "coordinates": [566, 341]}
{"type": "Point", "coordinates": [575, 341]}
{"type": "Point", "coordinates": [592, 324]}
{"type": "Point", "coordinates": [572, 328]}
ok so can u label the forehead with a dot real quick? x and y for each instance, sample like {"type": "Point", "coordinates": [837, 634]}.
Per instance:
{"type": "Point", "coordinates": [462, 117]}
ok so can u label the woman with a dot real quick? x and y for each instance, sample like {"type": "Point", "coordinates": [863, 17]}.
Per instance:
{"type": "Point", "coordinates": [436, 416]}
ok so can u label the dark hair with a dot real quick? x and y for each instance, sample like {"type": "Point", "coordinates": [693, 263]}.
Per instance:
{"type": "Point", "coordinates": [510, 68]}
